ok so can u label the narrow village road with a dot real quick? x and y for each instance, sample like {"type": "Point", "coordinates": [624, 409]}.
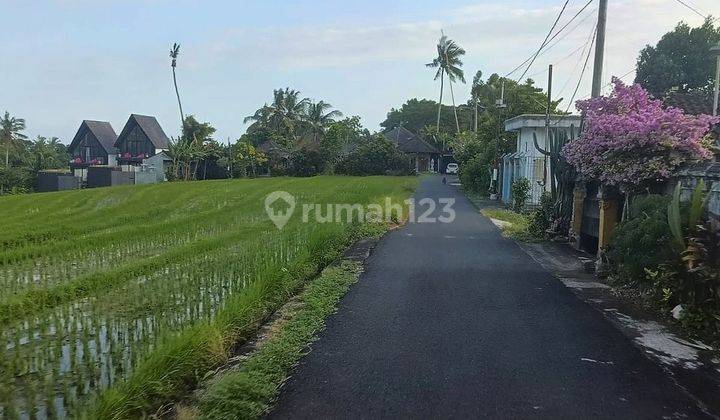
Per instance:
{"type": "Point", "coordinates": [453, 320]}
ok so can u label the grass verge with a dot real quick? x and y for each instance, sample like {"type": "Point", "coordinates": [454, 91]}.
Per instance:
{"type": "Point", "coordinates": [516, 225]}
{"type": "Point", "coordinates": [248, 391]}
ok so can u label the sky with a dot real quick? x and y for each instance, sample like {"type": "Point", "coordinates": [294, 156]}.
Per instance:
{"type": "Point", "coordinates": [68, 60]}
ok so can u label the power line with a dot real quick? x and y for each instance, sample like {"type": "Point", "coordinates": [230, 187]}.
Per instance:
{"type": "Point", "coordinates": [554, 36]}
{"type": "Point", "coordinates": [696, 11]}
{"type": "Point", "coordinates": [545, 41]}
{"type": "Point", "coordinates": [691, 8]}
{"type": "Point", "coordinates": [582, 74]}
{"type": "Point", "coordinates": [549, 47]}
{"type": "Point", "coordinates": [577, 63]}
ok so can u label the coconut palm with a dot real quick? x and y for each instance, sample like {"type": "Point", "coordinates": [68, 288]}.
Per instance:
{"type": "Point", "coordinates": [448, 63]}
{"type": "Point", "coordinates": [285, 113]}
{"type": "Point", "coordinates": [174, 52]}
{"type": "Point", "coordinates": [10, 132]}
{"type": "Point", "coordinates": [318, 118]}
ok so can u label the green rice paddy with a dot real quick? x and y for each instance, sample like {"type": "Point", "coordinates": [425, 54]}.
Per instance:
{"type": "Point", "coordinates": [115, 300]}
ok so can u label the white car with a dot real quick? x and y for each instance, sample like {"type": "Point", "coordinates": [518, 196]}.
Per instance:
{"type": "Point", "coordinates": [452, 168]}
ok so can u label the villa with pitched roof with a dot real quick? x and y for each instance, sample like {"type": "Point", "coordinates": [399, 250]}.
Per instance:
{"type": "Point", "coordinates": [93, 144]}
{"type": "Point", "coordinates": [141, 138]}
{"type": "Point", "coordinates": [426, 156]}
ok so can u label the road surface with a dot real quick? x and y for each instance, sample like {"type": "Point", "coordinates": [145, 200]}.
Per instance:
{"type": "Point", "coordinates": [453, 320]}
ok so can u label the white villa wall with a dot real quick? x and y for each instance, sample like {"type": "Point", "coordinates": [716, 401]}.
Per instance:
{"type": "Point", "coordinates": [527, 162]}
{"type": "Point", "coordinates": [532, 169]}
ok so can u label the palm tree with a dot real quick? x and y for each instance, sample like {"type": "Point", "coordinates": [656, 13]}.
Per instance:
{"type": "Point", "coordinates": [318, 119]}
{"type": "Point", "coordinates": [174, 52]}
{"type": "Point", "coordinates": [10, 131]}
{"type": "Point", "coordinates": [284, 114]}
{"type": "Point", "coordinates": [448, 62]}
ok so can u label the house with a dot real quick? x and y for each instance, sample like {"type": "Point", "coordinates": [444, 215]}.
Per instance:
{"type": "Point", "coordinates": [141, 138]}
{"type": "Point", "coordinates": [93, 144]}
{"type": "Point", "coordinates": [425, 156]}
{"type": "Point", "coordinates": [527, 161]}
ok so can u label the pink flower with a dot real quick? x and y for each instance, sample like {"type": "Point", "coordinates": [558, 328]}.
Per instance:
{"type": "Point", "coordinates": [630, 139]}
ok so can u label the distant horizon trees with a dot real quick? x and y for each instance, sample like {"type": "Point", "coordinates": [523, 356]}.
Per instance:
{"type": "Point", "coordinates": [23, 158]}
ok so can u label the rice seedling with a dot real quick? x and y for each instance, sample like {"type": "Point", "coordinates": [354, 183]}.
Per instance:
{"type": "Point", "coordinates": [115, 300]}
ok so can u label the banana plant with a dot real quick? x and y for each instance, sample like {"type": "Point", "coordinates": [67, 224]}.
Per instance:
{"type": "Point", "coordinates": [698, 201]}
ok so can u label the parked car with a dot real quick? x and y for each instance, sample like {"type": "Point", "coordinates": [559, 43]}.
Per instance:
{"type": "Point", "coordinates": [452, 168]}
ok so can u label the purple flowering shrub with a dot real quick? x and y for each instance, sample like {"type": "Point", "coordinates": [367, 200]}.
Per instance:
{"type": "Point", "coordinates": [630, 139]}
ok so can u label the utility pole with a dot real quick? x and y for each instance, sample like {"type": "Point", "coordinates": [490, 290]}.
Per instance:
{"type": "Point", "coordinates": [547, 131]}
{"type": "Point", "coordinates": [716, 52]}
{"type": "Point", "coordinates": [549, 102]}
{"type": "Point", "coordinates": [599, 49]}
{"type": "Point", "coordinates": [476, 116]}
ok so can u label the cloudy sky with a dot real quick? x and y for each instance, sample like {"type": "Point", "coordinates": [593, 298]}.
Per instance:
{"type": "Point", "coordinates": [68, 60]}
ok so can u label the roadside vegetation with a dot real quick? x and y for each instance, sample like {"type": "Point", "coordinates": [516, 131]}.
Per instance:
{"type": "Point", "coordinates": [249, 390]}
{"type": "Point", "coordinates": [126, 296]}
{"type": "Point", "coordinates": [518, 222]}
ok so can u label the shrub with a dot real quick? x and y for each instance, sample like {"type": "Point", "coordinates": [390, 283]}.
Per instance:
{"type": "Point", "coordinates": [541, 218]}
{"type": "Point", "coordinates": [376, 156]}
{"type": "Point", "coordinates": [306, 162]}
{"type": "Point", "coordinates": [474, 174]}
{"type": "Point", "coordinates": [640, 242]}
{"type": "Point", "coordinates": [520, 192]}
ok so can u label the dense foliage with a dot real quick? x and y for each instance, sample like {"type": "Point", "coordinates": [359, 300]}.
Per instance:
{"type": "Point", "coordinates": [691, 278]}
{"type": "Point", "coordinates": [640, 241]}
{"type": "Point", "coordinates": [541, 218]}
{"type": "Point", "coordinates": [376, 156]}
{"type": "Point", "coordinates": [680, 60]}
{"type": "Point", "coordinates": [630, 140]}
{"type": "Point", "coordinates": [520, 191]}
{"type": "Point", "coordinates": [417, 114]}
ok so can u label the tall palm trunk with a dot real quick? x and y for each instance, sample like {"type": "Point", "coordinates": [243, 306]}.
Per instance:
{"type": "Point", "coordinates": [457, 123]}
{"type": "Point", "coordinates": [7, 155]}
{"type": "Point", "coordinates": [442, 85]}
{"type": "Point", "coordinates": [177, 94]}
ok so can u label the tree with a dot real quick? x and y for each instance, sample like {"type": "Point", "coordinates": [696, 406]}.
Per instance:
{"type": "Point", "coordinates": [246, 155]}
{"type": "Point", "coordinates": [631, 141]}
{"type": "Point", "coordinates": [10, 131]}
{"type": "Point", "coordinates": [318, 117]}
{"type": "Point", "coordinates": [174, 52]}
{"type": "Point", "coordinates": [681, 60]}
{"type": "Point", "coordinates": [343, 134]}
{"type": "Point", "coordinates": [416, 114]}
{"type": "Point", "coordinates": [46, 154]}
{"type": "Point", "coordinates": [478, 152]}
{"type": "Point", "coordinates": [283, 116]}
{"type": "Point", "coordinates": [376, 156]}
{"type": "Point", "coordinates": [448, 62]}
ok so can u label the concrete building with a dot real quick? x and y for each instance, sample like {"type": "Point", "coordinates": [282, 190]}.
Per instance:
{"type": "Point", "coordinates": [527, 161]}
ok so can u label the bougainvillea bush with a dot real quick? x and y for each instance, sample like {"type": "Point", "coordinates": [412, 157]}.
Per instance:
{"type": "Point", "coordinates": [631, 140]}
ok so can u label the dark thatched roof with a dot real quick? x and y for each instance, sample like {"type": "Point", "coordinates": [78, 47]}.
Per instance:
{"type": "Point", "coordinates": [270, 147]}
{"type": "Point", "coordinates": [150, 126]}
{"type": "Point", "coordinates": [408, 142]}
{"type": "Point", "coordinates": [102, 131]}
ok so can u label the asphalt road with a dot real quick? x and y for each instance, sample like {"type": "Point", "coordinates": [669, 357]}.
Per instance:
{"type": "Point", "coordinates": [453, 320]}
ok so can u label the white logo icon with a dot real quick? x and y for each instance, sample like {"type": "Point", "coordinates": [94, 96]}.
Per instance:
{"type": "Point", "coordinates": [279, 206]}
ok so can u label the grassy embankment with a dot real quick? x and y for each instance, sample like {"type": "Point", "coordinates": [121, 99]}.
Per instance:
{"type": "Point", "coordinates": [134, 293]}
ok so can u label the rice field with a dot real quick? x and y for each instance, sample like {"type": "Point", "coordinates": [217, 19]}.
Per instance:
{"type": "Point", "coordinates": [99, 287]}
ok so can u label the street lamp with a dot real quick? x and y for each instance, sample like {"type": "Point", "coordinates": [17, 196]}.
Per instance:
{"type": "Point", "coordinates": [715, 51]}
